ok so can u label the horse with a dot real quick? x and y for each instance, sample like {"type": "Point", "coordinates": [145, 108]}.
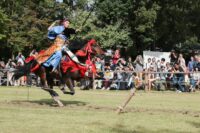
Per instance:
{"type": "Point", "coordinates": [45, 74]}
{"type": "Point", "coordinates": [72, 71]}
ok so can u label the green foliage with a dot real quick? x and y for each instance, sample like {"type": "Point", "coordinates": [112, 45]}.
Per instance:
{"type": "Point", "coordinates": [138, 24]}
{"type": "Point", "coordinates": [3, 27]}
{"type": "Point", "coordinates": [111, 36]}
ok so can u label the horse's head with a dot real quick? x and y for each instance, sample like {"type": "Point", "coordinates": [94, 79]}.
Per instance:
{"type": "Point", "coordinates": [90, 48]}
{"type": "Point", "coordinates": [95, 48]}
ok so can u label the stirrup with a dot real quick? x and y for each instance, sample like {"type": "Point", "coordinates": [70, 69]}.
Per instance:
{"type": "Point", "coordinates": [82, 64]}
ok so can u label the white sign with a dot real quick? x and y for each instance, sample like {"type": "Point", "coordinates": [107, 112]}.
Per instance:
{"type": "Point", "coordinates": [157, 55]}
{"type": "Point", "coordinates": [59, 1]}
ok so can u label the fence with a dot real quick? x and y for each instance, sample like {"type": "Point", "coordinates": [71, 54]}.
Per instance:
{"type": "Point", "coordinates": [129, 79]}
{"type": "Point", "coordinates": [182, 81]}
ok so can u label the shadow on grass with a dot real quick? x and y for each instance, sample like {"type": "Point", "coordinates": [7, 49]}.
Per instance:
{"type": "Point", "coordinates": [140, 129]}
{"type": "Point", "coordinates": [194, 124]}
{"type": "Point", "coordinates": [49, 102]}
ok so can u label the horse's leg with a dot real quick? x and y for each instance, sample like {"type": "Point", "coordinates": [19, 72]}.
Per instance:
{"type": "Point", "coordinates": [69, 83]}
{"type": "Point", "coordinates": [63, 85]}
{"type": "Point", "coordinates": [55, 96]}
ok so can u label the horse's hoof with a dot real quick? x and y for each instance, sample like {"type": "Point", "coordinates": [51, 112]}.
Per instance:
{"type": "Point", "coordinates": [60, 105]}
{"type": "Point", "coordinates": [56, 99]}
{"type": "Point", "coordinates": [70, 93]}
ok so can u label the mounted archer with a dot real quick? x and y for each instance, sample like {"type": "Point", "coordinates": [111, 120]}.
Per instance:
{"type": "Point", "coordinates": [60, 35]}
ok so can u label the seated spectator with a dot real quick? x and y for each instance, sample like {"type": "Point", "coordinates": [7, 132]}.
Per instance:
{"type": "Point", "coordinates": [122, 63]}
{"type": "Point", "coordinates": [9, 65]}
{"type": "Point", "coordinates": [130, 64]}
{"type": "Point", "coordinates": [116, 57]}
{"type": "Point", "coordinates": [119, 77]}
{"type": "Point", "coordinates": [112, 66]}
{"type": "Point", "coordinates": [33, 53]}
{"type": "Point", "coordinates": [20, 57]}
{"type": "Point", "coordinates": [20, 62]}
{"type": "Point", "coordinates": [2, 64]}
{"type": "Point", "coordinates": [148, 64]}
{"type": "Point", "coordinates": [178, 78]}
{"type": "Point", "coordinates": [158, 65]}
{"type": "Point", "coordinates": [151, 78]}
{"type": "Point", "coordinates": [168, 67]}
{"type": "Point", "coordinates": [173, 57]}
{"type": "Point", "coordinates": [161, 84]}
{"type": "Point", "coordinates": [127, 78]}
{"type": "Point", "coordinates": [194, 79]}
{"type": "Point", "coordinates": [197, 62]}
{"type": "Point", "coordinates": [169, 76]}
{"type": "Point", "coordinates": [99, 75]}
{"type": "Point", "coordinates": [108, 77]}
{"type": "Point", "coordinates": [154, 64]}
{"type": "Point", "coordinates": [139, 66]}
{"type": "Point", "coordinates": [181, 61]}
{"type": "Point", "coordinates": [138, 84]}
{"type": "Point", "coordinates": [191, 64]}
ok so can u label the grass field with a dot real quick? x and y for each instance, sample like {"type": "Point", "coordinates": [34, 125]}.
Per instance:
{"type": "Point", "coordinates": [94, 111]}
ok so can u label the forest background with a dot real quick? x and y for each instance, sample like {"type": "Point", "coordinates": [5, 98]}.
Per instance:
{"type": "Point", "coordinates": [132, 25]}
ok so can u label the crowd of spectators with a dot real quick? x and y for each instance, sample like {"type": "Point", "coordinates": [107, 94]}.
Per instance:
{"type": "Point", "coordinates": [116, 72]}
{"type": "Point", "coordinates": [13, 63]}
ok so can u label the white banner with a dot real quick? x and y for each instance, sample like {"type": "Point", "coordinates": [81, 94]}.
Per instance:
{"type": "Point", "coordinates": [157, 55]}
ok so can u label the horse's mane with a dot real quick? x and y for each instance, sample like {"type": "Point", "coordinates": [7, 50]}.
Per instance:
{"type": "Point", "coordinates": [76, 45]}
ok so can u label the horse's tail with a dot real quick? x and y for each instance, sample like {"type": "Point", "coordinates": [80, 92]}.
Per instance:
{"type": "Point", "coordinates": [23, 70]}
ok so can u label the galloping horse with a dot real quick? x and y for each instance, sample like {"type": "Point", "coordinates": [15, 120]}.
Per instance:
{"type": "Point", "coordinates": [46, 76]}
{"type": "Point", "coordinates": [73, 71]}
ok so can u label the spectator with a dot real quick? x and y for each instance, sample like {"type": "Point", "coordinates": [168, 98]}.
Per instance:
{"type": "Point", "coordinates": [99, 76]}
{"type": "Point", "coordinates": [158, 65]}
{"type": "Point", "coordinates": [139, 66]}
{"type": "Point", "coordinates": [154, 64]}
{"type": "Point", "coordinates": [108, 77]}
{"type": "Point", "coordinates": [178, 77]}
{"type": "Point", "coordinates": [181, 61]}
{"type": "Point", "coordinates": [161, 84]}
{"type": "Point", "coordinates": [112, 66]}
{"type": "Point", "coordinates": [194, 79]}
{"type": "Point", "coordinates": [138, 82]}
{"type": "Point", "coordinates": [116, 57]}
{"type": "Point", "coordinates": [33, 53]}
{"type": "Point", "coordinates": [127, 78]}
{"type": "Point", "coordinates": [20, 59]}
{"type": "Point", "coordinates": [191, 64]}
{"type": "Point", "coordinates": [162, 63]}
{"type": "Point", "coordinates": [2, 64]}
{"type": "Point", "coordinates": [10, 65]}
{"type": "Point", "coordinates": [122, 63]}
{"type": "Point", "coordinates": [173, 57]}
{"type": "Point", "coordinates": [119, 77]}
{"type": "Point", "coordinates": [148, 64]}
{"type": "Point", "coordinates": [168, 67]}
{"type": "Point", "coordinates": [20, 62]}
{"type": "Point", "coordinates": [130, 63]}
{"type": "Point", "coordinates": [151, 78]}
{"type": "Point", "coordinates": [197, 62]}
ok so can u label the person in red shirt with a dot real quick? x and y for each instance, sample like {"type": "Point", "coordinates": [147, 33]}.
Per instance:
{"type": "Point", "coordinates": [116, 57]}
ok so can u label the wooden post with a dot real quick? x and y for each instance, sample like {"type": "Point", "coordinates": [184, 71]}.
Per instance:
{"type": "Point", "coordinates": [146, 80]}
{"type": "Point", "coordinates": [121, 108]}
{"type": "Point", "coordinates": [0, 79]}
{"type": "Point", "coordinates": [93, 81]}
{"type": "Point", "coordinates": [7, 77]}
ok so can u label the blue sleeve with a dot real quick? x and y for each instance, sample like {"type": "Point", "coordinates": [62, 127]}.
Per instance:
{"type": "Point", "coordinates": [54, 31]}
{"type": "Point", "coordinates": [58, 29]}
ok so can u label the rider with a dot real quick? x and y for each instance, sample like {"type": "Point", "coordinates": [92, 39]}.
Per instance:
{"type": "Point", "coordinates": [59, 34]}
